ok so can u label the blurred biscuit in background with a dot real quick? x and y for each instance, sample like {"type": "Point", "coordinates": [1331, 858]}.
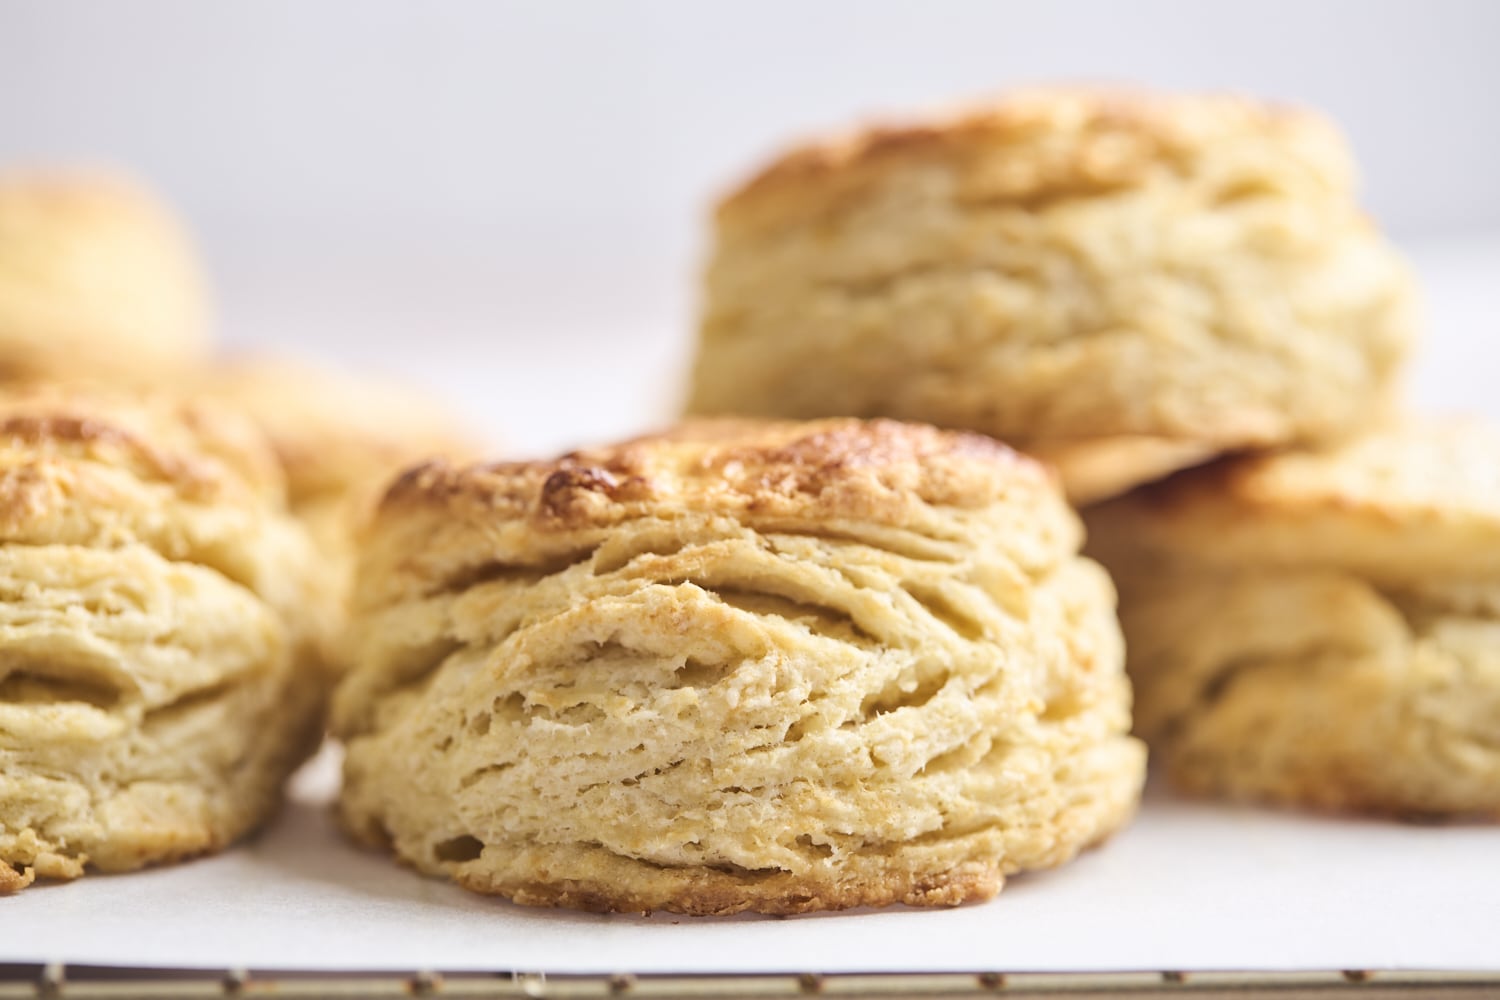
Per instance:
{"type": "Point", "coordinates": [1122, 283]}
{"type": "Point", "coordinates": [736, 666]}
{"type": "Point", "coordinates": [341, 437]}
{"type": "Point", "coordinates": [161, 621]}
{"type": "Point", "coordinates": [97, 280]}
{"type": "Point", "coordinates": [1321, 628]}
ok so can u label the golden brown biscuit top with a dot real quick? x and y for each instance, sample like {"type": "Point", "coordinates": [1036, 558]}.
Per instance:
{"type": "Point", "coordinates": [1418, 496]}
{"type": "Point", "coordinates": [827, 468]}
{"type": "Point", "coordinates": [91, 468]}
{"type": "Point", "coordinates": [1031, 146]}
{"type": "Point", "coordinates": [196, 452]}
{"type": "Point", "coordinates": [334, 432]}
{"type": "Point", "coordinates": [442, 527]}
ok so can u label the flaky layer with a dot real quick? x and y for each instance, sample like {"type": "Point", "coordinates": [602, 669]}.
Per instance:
{"type": "Point", "coordinates": [96, 280]}
{"type": "Point", "coordinates": [191, 482]}
{"type": "Point", "coordinates": [1060, 268]}
{"type": "Point", "coordinates": [158, 615]}
{"type": "Point", "coordinates": [742, 682]}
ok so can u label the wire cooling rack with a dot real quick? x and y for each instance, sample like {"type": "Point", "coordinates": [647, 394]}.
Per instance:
{"type": "Point", "coordinates": [83, 982]}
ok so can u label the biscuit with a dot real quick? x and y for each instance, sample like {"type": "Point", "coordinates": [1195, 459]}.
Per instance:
{"type": "Point", "coordinates": [156, 626]}
{"type": "Point", "coordinates": [1321, 628]}
{"type": "Point", "coordinates": [737, 666]}
{"type": "Point", "coordinates": [97, 280]}
{"type": "Point", "coordinates": [340, 438]}
{"type": "Point", "coordinates": [1127, 282]}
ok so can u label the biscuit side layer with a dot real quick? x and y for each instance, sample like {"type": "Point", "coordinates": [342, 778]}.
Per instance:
{"type": "Point", "coordinates": [1321, 627]}
{"type": "Point", "coordinates": [1318, 689]}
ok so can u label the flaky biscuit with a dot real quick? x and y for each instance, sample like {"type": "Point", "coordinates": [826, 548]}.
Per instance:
{"type": "Point", "coordinates": [97, 280]}
{"type": "Point", "coordinates": [766, 666]}
{"type": "Point", "coordinates": [1125, 282]}
{"type": "Point", "coordinates": [158, 613]}
{"type": "Point", "coordinates": [1321, 628]}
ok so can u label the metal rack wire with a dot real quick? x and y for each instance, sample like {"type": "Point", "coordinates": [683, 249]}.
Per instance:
{"type": "Point", "coordinates": [94, 983]}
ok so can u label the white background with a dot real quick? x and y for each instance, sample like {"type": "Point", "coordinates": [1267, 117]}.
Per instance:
{"type": "Point", "coordinates": [507, 200]}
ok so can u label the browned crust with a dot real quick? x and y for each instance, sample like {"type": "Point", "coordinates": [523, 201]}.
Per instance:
{"type": "Point", "coordinates": [15, 879]}
{"type": "Point", "coordinates": [713, 894]}
{"type": "Point", "coordinates": [705, 892]}
{"type": "Point", "coordinates": [202, 454]}
{"type": "Point", "coordinates": [839, 467]}
{"type": "Point", "coordinates": [1106, 137]}
{"type": "Point", "coordinates": [185, 843]}
{"type": "Point", "coordinates": [45, 429]}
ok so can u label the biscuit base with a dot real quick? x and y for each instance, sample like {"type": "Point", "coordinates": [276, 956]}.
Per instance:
{"type": "Point", "coordinates": [708, 892]}
{"type": "Point", "coordinates": [57, 826]}
{"type": "Point", "coordinates": [701, 894]}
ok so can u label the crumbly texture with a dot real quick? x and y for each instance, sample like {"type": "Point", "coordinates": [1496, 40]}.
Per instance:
{"type": "Point", "coordinates": [1322, 628]}
{"type": "Point", "coordinates": [97, 280]}
{"type": "Point", "coordinates": [340, 438]}
{"type": "Point", "coordinates": [1059, 269]}
{"type": "Point", "coordinates": [157, 622]}
{"type": "Point", "coordinates": [737, 666]}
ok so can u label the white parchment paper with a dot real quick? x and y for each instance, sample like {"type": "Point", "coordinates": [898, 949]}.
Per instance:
{"type": "Point", "coordinates": [1186, 887]}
